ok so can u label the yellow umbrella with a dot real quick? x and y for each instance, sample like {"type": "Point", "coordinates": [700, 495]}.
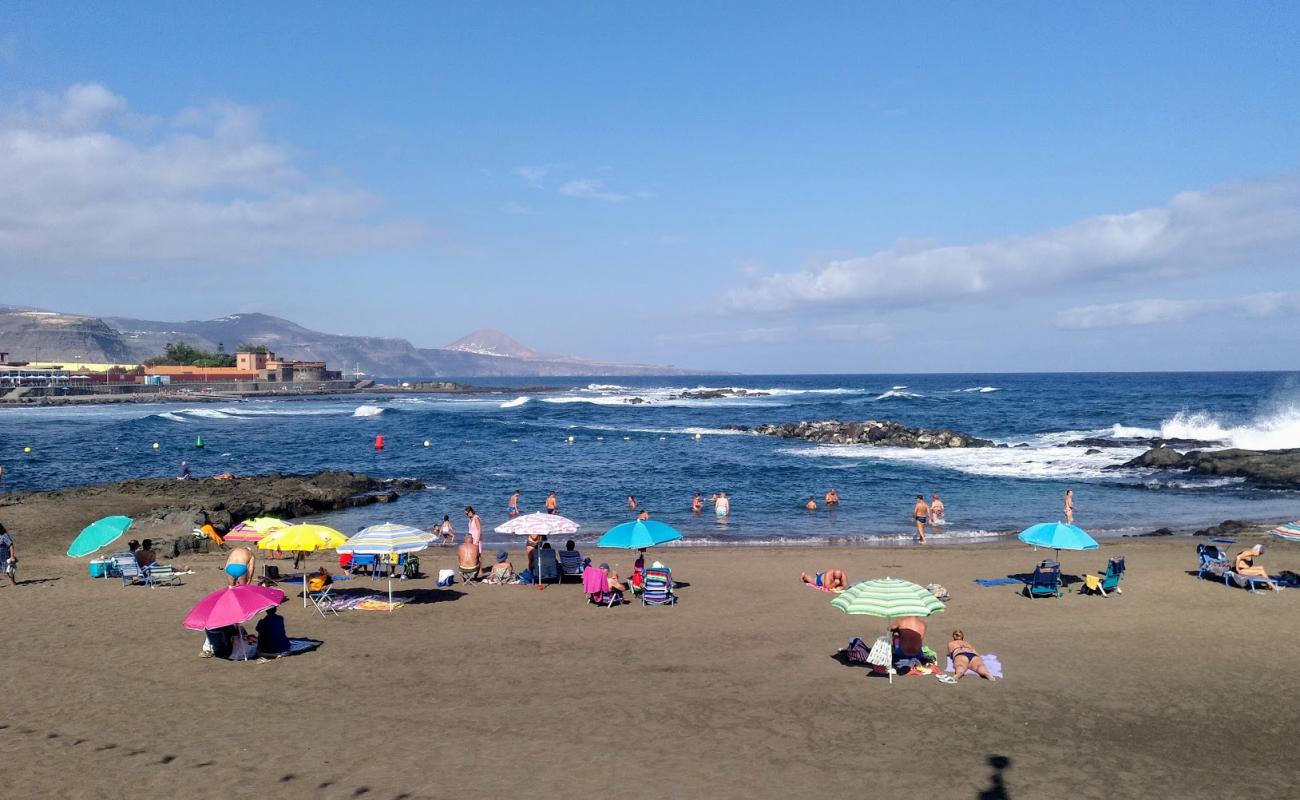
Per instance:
{"type": "Point", "coordinates": [306, 538]}
{"type": "Point", "coordinates": [265, 524]}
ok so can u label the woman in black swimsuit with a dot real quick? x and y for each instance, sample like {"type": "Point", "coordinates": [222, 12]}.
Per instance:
{"type": "Point", "coordinates": [964, 656]}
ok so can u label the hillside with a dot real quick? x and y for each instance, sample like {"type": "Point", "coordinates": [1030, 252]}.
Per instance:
{"type": "Point", "coordinates": [28, 335]}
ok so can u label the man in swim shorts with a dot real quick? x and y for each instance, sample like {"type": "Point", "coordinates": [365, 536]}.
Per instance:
{"type": "Point", "coordinates": [831, 580]}
{"type": "Point", "coordinates": [722, 506]}
{"type": "Point", "coordinates": [552, 505]}
{"type": "Point", "coordinates": [921, 514]}
{"type": "Point", "coordinates": [512, 505]}
{"type": "Point", "coordinates": [832, 497]}
{"type": "Point", "coordinates": [239, 566]}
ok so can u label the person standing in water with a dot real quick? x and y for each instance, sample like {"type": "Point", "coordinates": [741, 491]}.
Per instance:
{"type": "Point", "coordinates": [697, 504]}
{"type": "Point", "coordinates": [631, 503]}
{"type": "Point", "coordinates": [832, 497]}
{"type": "Point", "coordinates": [512, 505]}
{"type": "Point", "coordinates": [1069, 506]}
{"type": "Point", "coordinates": [811, 505]}
{"type": "Point", "coordinates": [448, 532]}
{"type": "Point", "coordinates": [552, 505]}
{"type": "Point", "coordinates": [643, 516]}
{"type": "Point", "coordinates": [722, 506]}
{"type": "Point", "coordinates": [936, 510]}
{"type": "Point", "coordinates": [921, 515]}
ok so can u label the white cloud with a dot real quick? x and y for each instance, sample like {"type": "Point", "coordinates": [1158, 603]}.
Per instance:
{"type": "Point", "coordinates": [1230, 226]}
{"type": "Point", "coordinates": [845, 332]}
{"type": "Point", "coordinates": [591, 189]}
{"type": "Point", "coordinates": [1158, 311]}
{"type": "Point", "coordinates": [535, 174]}
{"type": "Point", "coordinates": [86, 180]}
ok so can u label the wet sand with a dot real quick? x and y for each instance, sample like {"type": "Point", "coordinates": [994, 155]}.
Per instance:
{"type": "Point", "coordinates": [487, 691]}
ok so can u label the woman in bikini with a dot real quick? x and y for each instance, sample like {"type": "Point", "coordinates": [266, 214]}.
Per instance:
{"type": "Point", "coordinates": [964, 656]}
{"type": "Point", "coordinates": [1245, 565]}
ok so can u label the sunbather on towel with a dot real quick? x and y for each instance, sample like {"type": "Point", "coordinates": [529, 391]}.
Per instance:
{"type": "Point", "coordinates": [1245, 565]}
{"type": "Point", "coordinates": [964, 656]}
{"type": "Point", "coordinates": [830, 580]}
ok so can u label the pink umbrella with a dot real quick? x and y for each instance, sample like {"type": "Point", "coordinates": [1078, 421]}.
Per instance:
{"type": "Point", "coordinates": [231, 606]}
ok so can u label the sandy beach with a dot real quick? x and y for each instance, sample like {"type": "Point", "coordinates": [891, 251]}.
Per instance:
{"type": "Point", "coordinates": [485, 691]}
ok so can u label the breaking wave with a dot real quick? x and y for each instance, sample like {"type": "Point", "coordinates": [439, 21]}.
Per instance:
{"type": "Point", "coordinates": [516, 403]}
{"type": "Point", "coordinates": [898, 392]}
{"type": "Point", "coordinates": [368, 411]}
{"type": "Point", "coordinates": [1276, 430]}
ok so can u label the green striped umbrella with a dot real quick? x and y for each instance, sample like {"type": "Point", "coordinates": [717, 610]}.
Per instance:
{"type": "Point", "coordinates": [888, 598]}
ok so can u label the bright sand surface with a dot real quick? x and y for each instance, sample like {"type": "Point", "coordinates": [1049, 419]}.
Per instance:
{"type": "Point", "coordinates": [1176, 688]}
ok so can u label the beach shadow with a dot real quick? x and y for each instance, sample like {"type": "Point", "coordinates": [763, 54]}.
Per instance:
{"type": "Point", "coordinates": [36, 581]}
{"type": "Point", "coordinates": [997, 789]}
{"type": "Point", "coordinates": [425, 596]}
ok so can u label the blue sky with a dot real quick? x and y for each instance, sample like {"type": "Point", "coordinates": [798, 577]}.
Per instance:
{"type": "Point", "coordinates": [751, 187]}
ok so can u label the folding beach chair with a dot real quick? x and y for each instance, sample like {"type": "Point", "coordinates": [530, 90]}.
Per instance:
{"type": "Point", "coordinates": [548, 566]}
{"type": "Point", "coordinates": [570, 565]}
{"type": "Point", "coordinates": [161, 575]}
{"type": "Point", "coordinates": [321, 600]}
{"type": "Point", "coordinates": [658, 588]}
{"type": "Point", "coordinates": [1213, 560]}
{"type": "Point", "coordinates": [124, 564]}
{"type": "Point", "coordinates": [595, 584]}
{"type": "Point", "coordinates": [1109, 582]}
{"type": "Point", "coordinates": [1046, 581]}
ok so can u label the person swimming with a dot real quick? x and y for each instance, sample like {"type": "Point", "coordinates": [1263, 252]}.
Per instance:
{"type": "Point", "coordinates": [697, 504]}
{"type": "Point", "coordinates": [811, 505]}
{"type": "Point", "coordinates": [832, 497]}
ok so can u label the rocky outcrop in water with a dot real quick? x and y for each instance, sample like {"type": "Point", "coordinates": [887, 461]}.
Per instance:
{"type": "Point", "coordinates": [714, 394]}
{"type": "Point", "coordinates": [1268, 469]}
{"type": "Point", "coordinates": [881, 433]}
{"type": "Point", "coordinates": [1154, 441]}
{"type": "Point", "coordinates": [166, 507]}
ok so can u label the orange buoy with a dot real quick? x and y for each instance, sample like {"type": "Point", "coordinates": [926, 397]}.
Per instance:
{"type": "Point", "coordinates": [379, 443]}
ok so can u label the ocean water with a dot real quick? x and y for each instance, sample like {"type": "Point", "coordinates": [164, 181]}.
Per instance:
{"type": "Point", "coordinates": [664, 449]}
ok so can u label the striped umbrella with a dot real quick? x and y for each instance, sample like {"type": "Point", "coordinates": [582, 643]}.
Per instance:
{"type": "Point", "coordinates": [539, 524]}
{"type": "Point", "coordinates": [254, 530]}
{"type": "Point", "coordinates": [386, 540]}
{"type": "Point", "coordinates": [888, 598]}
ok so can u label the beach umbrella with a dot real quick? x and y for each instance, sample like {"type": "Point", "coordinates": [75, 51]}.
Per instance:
{"type": "Point", "coordinates": [639, 534]}
{"type": "Point", "coordinates": [232, 606]}
{"type": "Point", "coordinates": [1058, 536]}
{"type": "Point", "coordinates": [387, 540]}
{"type": "Point", "coordinates": [305, 538]}
{"type": "Point", "coordinates": [254, 530]}
{"type": "Point", "coordinates": [888, 598]}
{"type": "Point", "coordinates": [1289, 531]}
{"type": "Point", "coordinates": [538, 524]}
{"type": "Point", "coordinates": [100, 533]}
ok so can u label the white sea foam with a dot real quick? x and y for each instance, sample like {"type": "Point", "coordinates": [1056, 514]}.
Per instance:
{"type": "Point", "coordinates": [978, 390]}
{"type": "Point", "coordinates": [1000, 462]}
{"type": "Point", "coordinates": [167, 415]}
{"type": "Point", "coordinates": [898, 392]}
{"type": "Point", "coordinates": [368, 411]}
{"type": "Point", "coordinates": [516, 403]}
{"type": "Point", "coordinates": [1274, 430]}
{"type": "Point", "coordinates": [1126, 432]}
{"type": "Point", "coordinates": [207, 413]}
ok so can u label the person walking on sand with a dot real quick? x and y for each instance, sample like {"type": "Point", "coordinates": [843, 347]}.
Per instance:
{"type": "Point", "coordinates": [475, 533]}
{"type": "Point", "coordinates": [1069, 506]}
{"type": "Point", "coordinates": [921, 515]}
{"type": "Point", "coordinates": [512, 505]}
{"type": "Point", "coordinates": [936, 510]}
{"type": "Point", "coordinates": [552, 505]}
{"type": "Point", "coordinates": [8, 556]}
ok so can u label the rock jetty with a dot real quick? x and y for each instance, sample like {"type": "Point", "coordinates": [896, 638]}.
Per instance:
{"type": "Point", "coordinates": [1267, 469]}
{"type": "Point", "coordinates": [881, 433]}
{"type": "Point", "coordinates": [165, 507]}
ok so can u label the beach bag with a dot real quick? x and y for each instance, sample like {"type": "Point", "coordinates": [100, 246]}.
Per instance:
{"type": "Point", "coordinates": [527, 576]}
{"type": "Point", "coordinates": [446, 577]}
{"type": "Point", "coordinates": [938, 591]}
{"type": "Point", "coordinates": [857, 651]}
{"type": "Point", "coordinates": [244, 647]}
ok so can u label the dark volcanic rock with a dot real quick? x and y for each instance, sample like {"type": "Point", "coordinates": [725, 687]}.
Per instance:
{"type": "Point", "coordinates": [1229, 527]}
{"type": "Point", "coordinates": [1270, 469]}
{"type": "Point", "coordinates": [1092, 451]}
{"type": "Point", "coordinates": [714, 394]}
{"type": "Point", "coordinates": [1108, 441]}
{"type": "Point", "coordinates": [1157, 532]}
{"type": "Point", "coordinates": [873, 432]}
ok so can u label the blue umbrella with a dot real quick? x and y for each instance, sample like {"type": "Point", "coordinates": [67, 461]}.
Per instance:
{"type": "Point", "coordinates": [98, 534]}
{"type": "Point", "coordinates": [638, 534]}
{"type": "Point", "coordinates": [1058, 536]}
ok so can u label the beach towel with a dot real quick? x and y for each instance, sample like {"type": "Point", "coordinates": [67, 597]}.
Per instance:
{"type": "Point", "coordinates": [380, 603]}
{"type": "Point", "coordinates": [987, 582]}
{"type": "Point", "coordinates": [990, 661]}
{"type": "Point", "coordinates": [297, 646]}
{"type": "Point", "coordinates": [594, 581]}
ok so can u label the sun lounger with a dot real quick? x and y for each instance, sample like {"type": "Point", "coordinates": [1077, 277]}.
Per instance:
{"type": "Point", "coordinates": [160, 575]}
{"type": "Point", "coordinates": [1213, 560]}
{"type": "Point", "coordinates": [658, 588]}
{"type": "Point", "coordinates": [1046, 581]}
{"type": "Point", "coordinates": [126, 568]}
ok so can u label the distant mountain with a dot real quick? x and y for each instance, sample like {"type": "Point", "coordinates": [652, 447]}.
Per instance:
{"type": "Point", "coordinates": [485, 353]}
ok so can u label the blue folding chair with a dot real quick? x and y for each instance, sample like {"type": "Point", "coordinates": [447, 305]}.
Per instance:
{"type": "Point", "coordinates": [1046, 581]}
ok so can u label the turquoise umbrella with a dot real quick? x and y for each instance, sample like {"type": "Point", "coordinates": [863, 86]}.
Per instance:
{"type": "Point", "coordinates": [638, 534]}
{"type": "Point", "coordinates": [97, 534]}
{"type": "Point", "coordinates": [1058, 536]}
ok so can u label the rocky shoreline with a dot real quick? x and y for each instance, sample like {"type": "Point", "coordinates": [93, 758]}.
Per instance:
{"type": "Point", "coordinates": [1266, 469]}
{"type": "Point", "coordinates": [879, 433]}
{"type": "Point", "coordinates": [168, 508]}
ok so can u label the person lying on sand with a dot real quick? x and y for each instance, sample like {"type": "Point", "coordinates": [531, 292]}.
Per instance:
{"type": "Point", "coordinates": [1245, 565]}
{"type": "Point", "coordinates": [831, 580]}
{"type": "Point", "coordinates": [964, 656]}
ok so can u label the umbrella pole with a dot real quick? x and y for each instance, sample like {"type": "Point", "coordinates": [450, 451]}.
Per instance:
{"type": "Point", "coordinates": [304, 585]}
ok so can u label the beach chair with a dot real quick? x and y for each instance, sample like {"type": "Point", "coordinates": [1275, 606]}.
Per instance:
{"type": "Point", "coordinates": [570, 565]}
{"type": "Point", "coordinates": [1213, 561]}
{"type": "Point", "coordinates": [1108, 582]}
{"type": "Point", "coordinates": [595, 584]}
{"type": "Point", "coordinates": [370, 562]}
{"type": "Point", "coordinates": [126, 568]}
{"type": "Point", "coordinates": [1046, 581]}
{"type": "Point", "coordinates": [658, 588]}
{"type": "Point", "coordinates": [321, 600]}
{"type": "Point", "coordinates": [160, 575]}
{"type": "Point", "coordinates": [467, 574]}
{"type": "Point", "coordinates": [548, 566]}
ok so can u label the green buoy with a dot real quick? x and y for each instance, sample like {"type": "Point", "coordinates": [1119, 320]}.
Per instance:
{"type": "Point", "coordinates": [198, 442]}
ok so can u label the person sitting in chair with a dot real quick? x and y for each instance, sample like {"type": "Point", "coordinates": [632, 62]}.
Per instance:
{"type": "Point", "coordinates": [468, 559]}
{"type": "Point", "coordinates": [146, 556]}
{"type": "Point", "coordinates": [502, 572]}
{"type": "Point", "coordinates": [613, 582]}
{"type": "Point", "coordinates": [271, 638]}
{"type": "Point", "coordinates": [1245, 565]}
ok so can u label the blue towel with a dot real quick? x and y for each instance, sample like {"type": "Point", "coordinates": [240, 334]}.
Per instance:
{"type": "Point", "coordinates": [987, 582]}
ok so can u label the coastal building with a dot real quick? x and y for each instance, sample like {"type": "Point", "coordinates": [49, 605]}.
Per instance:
{"type": "Point", "coordinates": [251, 366]}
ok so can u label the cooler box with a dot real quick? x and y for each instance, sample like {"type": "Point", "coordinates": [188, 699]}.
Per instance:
{"type": "Point", "coordinates": [99, 568]}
